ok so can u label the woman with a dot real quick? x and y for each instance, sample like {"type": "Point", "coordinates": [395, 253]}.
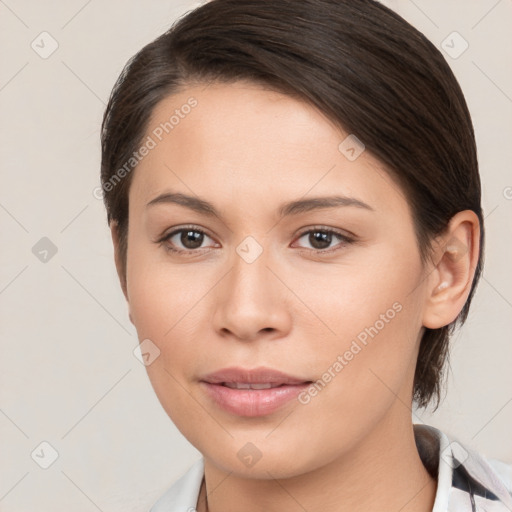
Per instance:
{"type": "Point", "coordinates": [294, 198]}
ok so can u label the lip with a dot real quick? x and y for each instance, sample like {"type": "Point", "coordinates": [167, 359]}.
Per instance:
{"type": "Point", "coordinates": [252, 402]}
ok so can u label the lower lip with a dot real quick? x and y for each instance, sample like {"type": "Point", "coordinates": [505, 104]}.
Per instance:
{"type": "Point", "coordinates": [252, 402]}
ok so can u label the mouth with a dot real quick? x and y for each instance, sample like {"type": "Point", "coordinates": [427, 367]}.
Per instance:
{"type": "Point", "coordinates": [252, 392]}
{"type": "Point", "coordinates": [255, 385]}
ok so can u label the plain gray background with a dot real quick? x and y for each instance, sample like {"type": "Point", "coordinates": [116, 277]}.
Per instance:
{"type": "Point", "coordinates": [68, 374]}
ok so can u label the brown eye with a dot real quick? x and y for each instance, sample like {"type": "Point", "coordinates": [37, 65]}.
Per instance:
{"type": "Point", "coordinates": [191, 239]}
{"type": "Point", "coordinates": [186, 239]}
{"type": "Point", "coordinates": [320, 239]}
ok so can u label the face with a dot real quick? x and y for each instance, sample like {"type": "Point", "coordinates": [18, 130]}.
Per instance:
{"type": "Point", "coordinates": [252, 281]}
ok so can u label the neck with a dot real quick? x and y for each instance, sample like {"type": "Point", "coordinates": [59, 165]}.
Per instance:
{"type": "Point", "coordinates": [383, 472]}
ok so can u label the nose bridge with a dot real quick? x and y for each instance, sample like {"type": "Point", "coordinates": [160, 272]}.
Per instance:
{"type": "Point", "coordinates": [250, 274]}
{"type": "Point", "coordinates": [250, 283]}
{"type": "Point", "coordinates": [250, 299]}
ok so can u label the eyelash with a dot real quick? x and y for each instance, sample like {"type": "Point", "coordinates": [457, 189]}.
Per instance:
{"type": "Point", "coordinates": [344, 239]}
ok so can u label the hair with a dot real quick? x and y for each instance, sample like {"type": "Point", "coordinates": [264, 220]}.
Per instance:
{"type": "Point", "coordinates": [360, 64]}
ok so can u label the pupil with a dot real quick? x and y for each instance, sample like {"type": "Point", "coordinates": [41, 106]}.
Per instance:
{"type": "Point", "coordinates": [321, 238]}
{"type": "Point", "coordinates": [192, 239]}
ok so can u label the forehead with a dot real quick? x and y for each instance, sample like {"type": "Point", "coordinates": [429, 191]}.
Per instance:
{"type": "Point", "coordinates": [242, 112]}
{"type": "Point", "coordinates": [241, 139]}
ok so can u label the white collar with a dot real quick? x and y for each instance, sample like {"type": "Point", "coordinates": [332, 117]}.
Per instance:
{"type": "Point", "coordinates": [466, 481]}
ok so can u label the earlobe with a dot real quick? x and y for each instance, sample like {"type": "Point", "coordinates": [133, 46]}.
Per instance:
{"type": "Point", "coordinates": [449, 282]}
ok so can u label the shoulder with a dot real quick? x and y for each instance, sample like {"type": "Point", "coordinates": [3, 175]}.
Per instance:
{"type": "Point", "coordinates": [466, 477]}
{"type": "Point", "coordinates": [182, 495]}
{"type": "Point", "coordinates": [486, 483]}
{"type": "Point", "coordinates": [494, 475]}
{"type": "Point", "coordinates": [503, 470]}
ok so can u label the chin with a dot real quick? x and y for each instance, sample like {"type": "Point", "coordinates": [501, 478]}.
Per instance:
{"type": "Point", "coordinates": [263, 459]}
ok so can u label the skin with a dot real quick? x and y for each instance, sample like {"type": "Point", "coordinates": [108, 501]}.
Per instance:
{"type": "Point", "coordinates": [247, 150]}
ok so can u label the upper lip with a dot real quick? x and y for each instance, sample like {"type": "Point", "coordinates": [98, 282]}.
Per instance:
{"type": "Point", "coordinates": [252, 376]}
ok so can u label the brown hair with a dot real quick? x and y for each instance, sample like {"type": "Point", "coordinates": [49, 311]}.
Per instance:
{"type": "Point", "coordinates": [359, 63]}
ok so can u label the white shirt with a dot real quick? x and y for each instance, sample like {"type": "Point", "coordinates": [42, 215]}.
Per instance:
{"type": "Point", "coordinates": [466, 480]}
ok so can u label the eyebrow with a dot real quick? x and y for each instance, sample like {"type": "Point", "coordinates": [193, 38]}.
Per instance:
{"type": "Point", "coordinates": [287, 209]}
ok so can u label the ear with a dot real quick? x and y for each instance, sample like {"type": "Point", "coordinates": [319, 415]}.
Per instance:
{"type": "Point", "coordinates": [114, 231]}
{"type": "Point", "coordinates": [449, 283]}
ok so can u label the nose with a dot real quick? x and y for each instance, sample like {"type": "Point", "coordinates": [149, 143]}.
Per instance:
{"type": "Point", "coordinates": [251, 302]}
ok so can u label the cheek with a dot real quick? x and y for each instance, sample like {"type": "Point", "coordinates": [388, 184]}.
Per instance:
{"type": "Point", "coordinates": [362, 376]}
{"type": "Point", "coordinates": [169, 319]}
{"type": "Point", "coordinates": [161, 303]}
{"type": "Point", "coordinates": [368, 352]}
{"type": "Point", "coordinates": [365, 298]}
{"type": "Point", "coordinates": [169, 313]}
{"type": "Point", "coordinates": [170, 306]}
{"type": "Point", "coordinates": [162, 295]}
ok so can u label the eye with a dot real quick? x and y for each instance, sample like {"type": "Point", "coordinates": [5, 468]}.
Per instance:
{"type": "Point", "coordinates": [184, 239]}
{"type": "Point", "coordinates": [321, 238]}
{"type": "Point", "coordinates": [190, 239]}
